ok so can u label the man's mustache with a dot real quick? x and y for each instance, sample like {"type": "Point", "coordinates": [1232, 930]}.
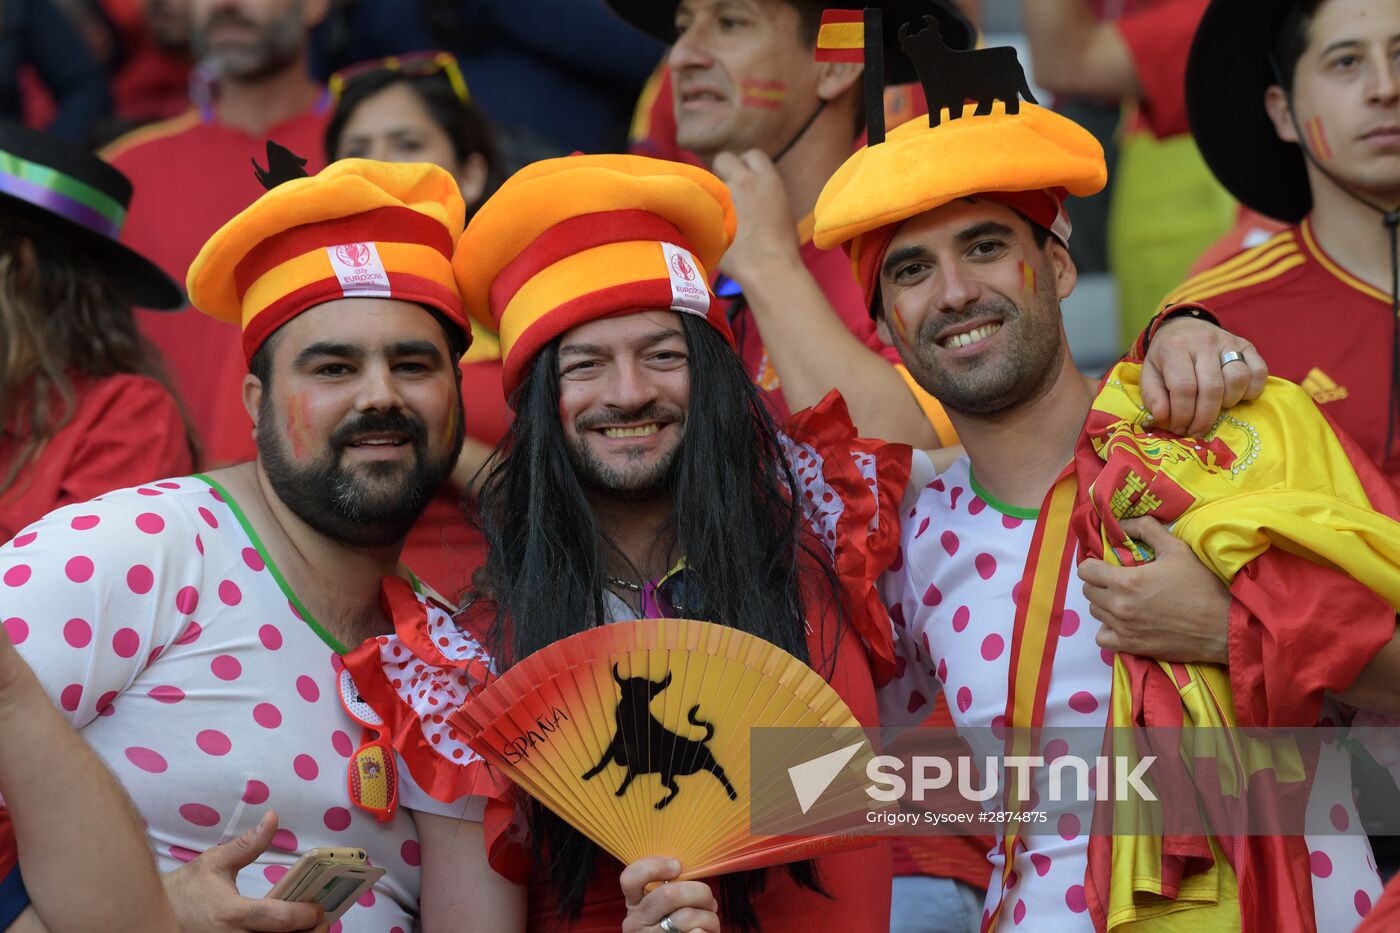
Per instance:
{"type": "Point", "coordinates": [391, 423]}
{"type": "Point", "coordinates": [650, 412]}
{"type": "Point", "coordinates": [228, 18]}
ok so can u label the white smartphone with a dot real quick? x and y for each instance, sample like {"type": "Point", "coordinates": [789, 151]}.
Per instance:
{"type": "Point", "coordinates": [333, 877]}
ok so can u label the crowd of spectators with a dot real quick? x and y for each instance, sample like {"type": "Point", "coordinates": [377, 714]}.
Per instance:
{"type": "Point", "coordinates": [151, 113]}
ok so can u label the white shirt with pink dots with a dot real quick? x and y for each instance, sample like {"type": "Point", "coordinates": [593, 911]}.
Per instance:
{"type": "Point", "coordinates": [157, 624]}
{"type": "Point", "coordinates": [952, 596]}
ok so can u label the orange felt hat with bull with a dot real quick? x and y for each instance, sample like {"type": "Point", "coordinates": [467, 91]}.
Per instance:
{"type": "Point", "coordinates": [980, 140]}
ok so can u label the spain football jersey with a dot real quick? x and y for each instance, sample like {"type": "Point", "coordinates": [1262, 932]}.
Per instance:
{"type": "Point", "coordinates": [1315, 324]}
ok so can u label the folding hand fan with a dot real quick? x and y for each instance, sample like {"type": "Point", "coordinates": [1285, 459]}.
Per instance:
{"type": "Point", "coordinates": [637, 734]}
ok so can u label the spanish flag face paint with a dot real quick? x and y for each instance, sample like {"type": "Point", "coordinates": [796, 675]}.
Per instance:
{"type": "Point", "coordinates": [901, 327]}
{"type": "Point", "coordinates": [298, 426]}
{"type": "Point", "coordinates": [1027, 277]}
{"type": "Point", "coordinates": [765, 95]}
{"type": "Point", "coordinates": [1317, 139]}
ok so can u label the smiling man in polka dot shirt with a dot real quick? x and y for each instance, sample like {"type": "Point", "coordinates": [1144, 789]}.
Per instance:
{"type": "Point", "coordinates": [192, 628]}
{"type": "Point", "coordinates": [957, 231]}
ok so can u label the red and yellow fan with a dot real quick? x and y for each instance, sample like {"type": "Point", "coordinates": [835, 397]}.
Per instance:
{"type": "Point", "coordinates": [638, 735]}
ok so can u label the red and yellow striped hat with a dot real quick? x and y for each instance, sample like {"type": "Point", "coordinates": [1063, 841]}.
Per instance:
{"type": "Point", "coordinates": [571, 240]}
{"type": "Point", "coordinates": [358, 229]}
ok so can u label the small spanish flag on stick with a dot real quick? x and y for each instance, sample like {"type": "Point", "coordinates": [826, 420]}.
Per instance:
{"type": "Point", "coordinates": [858, 36]}
{"type": "Point", "coordinates": [841, 37]}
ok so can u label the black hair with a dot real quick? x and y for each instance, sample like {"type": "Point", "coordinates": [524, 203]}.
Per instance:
{"type": "Point", "coordinates": [465, 125]}
{"type": "Point", "coordinates": [1292, 41]}
{"type": "Point", "coordinates": [737, 522]}
{"type": "Point", "coordinates": [809, 14]}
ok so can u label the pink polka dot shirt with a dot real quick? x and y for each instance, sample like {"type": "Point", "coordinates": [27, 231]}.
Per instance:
{"type": "Point", "coordinates": [157, 625]}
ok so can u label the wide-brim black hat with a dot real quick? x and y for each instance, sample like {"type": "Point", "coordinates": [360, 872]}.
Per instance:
{"type": "Point", "coordinates": [1227, 75]}
{"type": "Point", "coordinates": [658, 18]}
{"type": "Point", "coordinates": [54, 182]}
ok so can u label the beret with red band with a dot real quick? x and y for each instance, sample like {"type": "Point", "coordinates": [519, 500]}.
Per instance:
{"type": "Point", "coordinates": [577, 239]}
{"type": "Point", "coordinates": [359, 228]}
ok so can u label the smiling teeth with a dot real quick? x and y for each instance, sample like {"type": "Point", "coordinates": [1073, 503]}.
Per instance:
{"type": "Point", "coordinates": [644, 431]}
{"type": "Point", "coordinates": [971, 337]}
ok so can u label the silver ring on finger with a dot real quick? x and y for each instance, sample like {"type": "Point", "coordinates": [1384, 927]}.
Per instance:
{"type": "Point", "coordinates": [1231, 356]}
{"type": "Point", "coordinates": [667, 925]}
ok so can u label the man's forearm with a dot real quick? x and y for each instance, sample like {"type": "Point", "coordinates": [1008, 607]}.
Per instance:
{"type": "Point", "coordinates": [74, 827]}
{"type": "Point", "coordinates": [1377, 687]}
{"type": "Point", "coordinates": [813, 352]}
{"type": "Point", "coordinates": [1073, 53]}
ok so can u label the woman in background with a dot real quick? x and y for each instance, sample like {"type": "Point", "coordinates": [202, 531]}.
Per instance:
{"type": "Point", "coordinates": [84, 407]}
{"type": "Point", "coordinates": [417, 108]}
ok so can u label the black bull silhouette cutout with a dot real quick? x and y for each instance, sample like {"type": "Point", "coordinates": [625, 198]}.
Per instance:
{"type": "Point", "coordinates": [654, 748]}
{"type": "Point", "coordinates": [951, 78]}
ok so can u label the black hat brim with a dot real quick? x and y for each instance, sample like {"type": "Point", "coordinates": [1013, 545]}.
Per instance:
{"type": "Point", "coordinates": [1227, 75]}
{"type": "Point", "coordinates": [145, 283]}
{"type": "Point", "coordinates": [657, 18]}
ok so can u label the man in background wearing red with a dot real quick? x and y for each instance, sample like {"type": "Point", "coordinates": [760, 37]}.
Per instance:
{"type": "Point", "coordinates": [190, 176]}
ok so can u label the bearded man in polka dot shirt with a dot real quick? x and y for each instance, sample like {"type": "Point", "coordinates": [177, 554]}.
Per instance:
{"type": "Point", "coordinates": [192, 628]}
{"type": "Point", "coordinates": [959, 236]}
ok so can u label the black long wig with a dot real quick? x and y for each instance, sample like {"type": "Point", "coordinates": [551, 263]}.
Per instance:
{"type": "Point", "coordinates": [736, 520]}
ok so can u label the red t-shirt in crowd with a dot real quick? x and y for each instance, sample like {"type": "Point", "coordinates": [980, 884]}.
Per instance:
{"type": "Point", "coordinates": [1315, 324]}
{"type": "Point", "coordinates": [831, 269]}
{"type": "Point", "coordinates": [126, 430]}
{"type": "Point", "coordinates": [189, 176]}
{"type": "Point", "coordinates": [1159, 39]}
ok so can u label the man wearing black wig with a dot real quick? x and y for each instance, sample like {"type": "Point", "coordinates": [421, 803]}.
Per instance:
{"type": "Point", "coordinates": [642, 477]}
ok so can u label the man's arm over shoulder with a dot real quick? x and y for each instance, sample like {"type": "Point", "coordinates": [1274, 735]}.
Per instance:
{"type": "Point", "coordinates": [813, 346]}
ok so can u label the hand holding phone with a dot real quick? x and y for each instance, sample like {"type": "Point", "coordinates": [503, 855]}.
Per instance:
{"type": "Point", "coordinates": [332, 877]}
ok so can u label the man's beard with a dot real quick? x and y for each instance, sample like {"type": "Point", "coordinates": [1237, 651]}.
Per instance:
{"type": "Point", "coordinates": [345, 504]}
{"type": "Point", "coordinates": [1020, 372]}
{"type": "Point", "coordinates": [635, 485]}
{"type": "Point", "coordinates": [275, 46]}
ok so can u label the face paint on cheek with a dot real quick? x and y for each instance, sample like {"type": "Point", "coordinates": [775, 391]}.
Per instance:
{"type": "Point", "coordinates": [297, 430]}
{"type": "Point", "coordinates": [451, 428]}
{"type": "Point", "coordinates": [901, 329]}
{"type": "Point", "coordinates": [1028, 277]}
{"type": "Point", "coordinates": [765, 95]}
{"type": "Point", "coordinates": [1317, 139]}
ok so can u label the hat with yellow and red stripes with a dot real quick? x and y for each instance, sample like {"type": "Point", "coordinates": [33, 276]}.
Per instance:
{"type": "Point", "coordinates": [576, 239]}
{"type": "Point", "coordinates": [358, 229]}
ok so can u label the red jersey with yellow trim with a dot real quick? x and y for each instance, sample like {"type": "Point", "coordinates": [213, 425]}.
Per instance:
{"type": "Point", "coordinates": [189, 176]}
{"type": "Point", "coordinates": [1315, 324]}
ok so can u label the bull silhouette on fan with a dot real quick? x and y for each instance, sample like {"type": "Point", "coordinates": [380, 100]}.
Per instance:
{"type": "Point", "coordinates": [654, 749]}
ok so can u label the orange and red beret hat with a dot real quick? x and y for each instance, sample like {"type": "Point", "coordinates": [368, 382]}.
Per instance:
{"type": "Point", "coordinates": [359, 228]}
{"type": "Point", "coordinates": [576, 239]}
